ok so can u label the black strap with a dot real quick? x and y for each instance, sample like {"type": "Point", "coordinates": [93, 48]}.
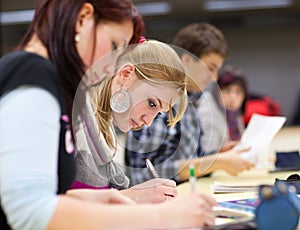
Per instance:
{"type": "Point", "coordinates": [22, 68]}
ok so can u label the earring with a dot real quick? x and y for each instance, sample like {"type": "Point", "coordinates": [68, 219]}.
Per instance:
{"type": "Point", "coordinates": [77, 37]}
{"type": "Point", "coordinates": [120, 101]}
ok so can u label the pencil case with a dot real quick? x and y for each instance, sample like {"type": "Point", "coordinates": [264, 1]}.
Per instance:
{"type": "Point", "coordinates": [293, 180]}
{"type": "Point", "coordinates": [279, 207]}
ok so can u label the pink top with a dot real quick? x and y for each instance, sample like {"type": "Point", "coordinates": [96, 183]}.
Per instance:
{"type": "Point", "coordinates": [79, 185]}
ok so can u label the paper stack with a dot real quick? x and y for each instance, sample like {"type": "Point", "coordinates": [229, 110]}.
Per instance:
{"type": "Point", "coordinates": [218, 187]}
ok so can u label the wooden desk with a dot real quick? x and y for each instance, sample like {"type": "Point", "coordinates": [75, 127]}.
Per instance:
{"type": "Point", "coordinates": [253, 176]}
{"type": "Point", "coordinates": [287, 139]}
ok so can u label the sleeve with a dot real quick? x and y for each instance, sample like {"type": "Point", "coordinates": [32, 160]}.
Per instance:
{"type": "Point", "coordinates": [212, 124]}
{"type": "Point", "coordinates": [29, 134]}
{"type": "Point", "coordinates": [157, 142]}
{"type": "Point", "coordinates": [182, 143]}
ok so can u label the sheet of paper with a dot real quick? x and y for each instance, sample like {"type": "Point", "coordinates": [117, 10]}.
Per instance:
{"type": "Point", "coordinates": [219, 187]}
{"type": "Point", "coordinates": [259, 134]}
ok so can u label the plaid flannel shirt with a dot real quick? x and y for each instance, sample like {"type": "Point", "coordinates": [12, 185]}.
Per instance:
{"type": "Point", "coordinates": [165, 146]}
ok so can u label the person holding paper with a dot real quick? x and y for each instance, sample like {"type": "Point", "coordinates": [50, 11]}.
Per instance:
{"type": "Point", "coordinates": [171, 150]}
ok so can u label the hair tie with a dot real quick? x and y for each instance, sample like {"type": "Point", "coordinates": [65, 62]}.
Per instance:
{"type": "Point", "coordinates": [142, 39]}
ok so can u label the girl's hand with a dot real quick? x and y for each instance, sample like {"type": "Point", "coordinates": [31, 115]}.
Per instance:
{"type": "Point", "coordinates": [153, 191]}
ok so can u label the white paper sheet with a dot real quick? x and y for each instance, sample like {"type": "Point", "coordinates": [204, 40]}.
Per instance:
{"type": "Point", "coordinates": [258, 135]}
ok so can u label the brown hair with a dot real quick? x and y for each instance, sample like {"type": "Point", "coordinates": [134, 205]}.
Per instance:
{"type": "Point", "coordinates": [232, 75]}
{"type": "Point", "coordinates": [54, 24]}
{"type": "Point", "coordinates": [200, 39]}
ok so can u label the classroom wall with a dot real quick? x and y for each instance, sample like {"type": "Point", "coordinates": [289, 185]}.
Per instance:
{"type": "Point", "coordinates": [269, 54]}
{"type": "Point", "coordinates": [265, 46]}
{"type": "Point", "coordinates": [270, 58]}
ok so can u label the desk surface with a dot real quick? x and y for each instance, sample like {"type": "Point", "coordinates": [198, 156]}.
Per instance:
{"type": "Point", "coordinates": [253, 176]}
{"type": "Point", "coordinates": [287, 139]}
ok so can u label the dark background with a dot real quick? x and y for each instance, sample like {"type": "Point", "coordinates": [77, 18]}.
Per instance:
{"type": "Point", "coordinates": [263, 35]}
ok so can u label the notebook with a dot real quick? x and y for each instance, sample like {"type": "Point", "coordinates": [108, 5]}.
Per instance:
{"type": "Point", "coordinates": [247, 205]}
{"type": "Point", "coordinates": [219, 187]}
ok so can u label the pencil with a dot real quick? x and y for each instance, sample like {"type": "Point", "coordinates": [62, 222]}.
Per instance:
{"type": "Point", "coordinates": [151, 168]}
{"type": "Point", "coordinates": [192, 178]}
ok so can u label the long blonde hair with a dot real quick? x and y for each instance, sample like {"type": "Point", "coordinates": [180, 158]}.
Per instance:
{"type": "Point", "coordinates": [158, 64]}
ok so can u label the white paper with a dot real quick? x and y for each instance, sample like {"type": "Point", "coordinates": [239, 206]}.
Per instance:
{"type": "Point", "coordinates": [219, 187]}
{"type": "Point", "coordinates": [258, 135]}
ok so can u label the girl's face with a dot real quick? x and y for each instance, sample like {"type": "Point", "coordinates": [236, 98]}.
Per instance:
{"type": "Point", "coordinates": [233, 96]}
{"type": "Point", "coordinates": [111, 36]}
{"type": "Point", "coordinates": [97, 42]}
{"type": "Point", "coordinates": [147, 100]}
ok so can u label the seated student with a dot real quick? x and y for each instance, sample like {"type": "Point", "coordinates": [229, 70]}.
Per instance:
{"type": "Point", "coordinates": [148, 80]}
{"type": "Point", "coordinates": [171, 149]}
{"type": "Point", "coordinates": [221, 110]}
{"type": "Point", "coordinates": [37, 86]}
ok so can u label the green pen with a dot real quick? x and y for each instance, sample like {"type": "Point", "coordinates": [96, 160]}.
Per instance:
{"type": "Point", "coordinates": [192, 178]}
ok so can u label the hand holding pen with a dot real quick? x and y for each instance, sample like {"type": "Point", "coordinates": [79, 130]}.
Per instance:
{"type": "Point", "coordinates": [155, 175]}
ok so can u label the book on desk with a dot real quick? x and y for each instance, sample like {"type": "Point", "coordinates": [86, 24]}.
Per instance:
{"type": "Point", "coordinates": [235, 214]}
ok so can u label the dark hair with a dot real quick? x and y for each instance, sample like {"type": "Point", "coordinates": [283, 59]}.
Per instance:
{"type": "Point", "coordinates": [54, 24]}
{"type": "Point", "coordinates": [232, 75]}
{"type": "Point", "coordinates": [201, 39]}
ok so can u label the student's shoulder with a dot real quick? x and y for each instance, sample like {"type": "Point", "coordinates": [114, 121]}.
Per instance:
{"type": "Point", "coordinates": [23, 68]}
{"type": "Point", "coordinates": [21, 60]}
{"type": "Point", "coordinates": [206, 101]}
